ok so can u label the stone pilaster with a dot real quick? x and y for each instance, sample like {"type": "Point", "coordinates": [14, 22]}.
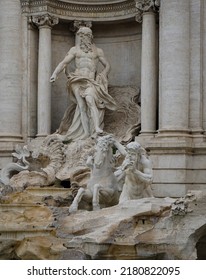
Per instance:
{"type": "Point", "coordinates": [204, 65]}
{"type": "Point", "coordinates": [196, 65]}
{"type": "Point", "coordinates": [45, 24]}
{"type": "Point", "coordinates": [146, 13]}
{"type": "Point", "coordinates": [10, 71]}
{"type": "Point", "coordinates": [174, 67]}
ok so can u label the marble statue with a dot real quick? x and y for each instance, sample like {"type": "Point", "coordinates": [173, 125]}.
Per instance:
{"type": "Point", "coordinates": [136, 173]}
{"type": "Point", "coordinates": [21, 153]}
{"type": "Point", "coordinates": [45, 162]}
{"type": "Point", "coordinates": [87, 89]}
{"type": "Point", "coordinates": [103, 185]}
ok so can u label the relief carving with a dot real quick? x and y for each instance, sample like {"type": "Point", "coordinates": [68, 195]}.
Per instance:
{"type": "Point", "coordinates": [71, 11]}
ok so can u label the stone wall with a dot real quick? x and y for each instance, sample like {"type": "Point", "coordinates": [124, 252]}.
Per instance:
{"type": "Point", "coordinates": [178, 148]}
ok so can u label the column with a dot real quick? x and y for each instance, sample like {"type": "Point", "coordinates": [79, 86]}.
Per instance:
{"type": "Point", "coordinates": [174, 66]}
{"type": "Point", "coordinates": [10, 71]}
{"type": "Point", "coordinates": [204, 65]}
{"type": "Point", "coordinates": [146, 13]}
{"type": "Point", "coordinates": [196, 66]}
{"type": "Point", "coordinates": [45, 24]}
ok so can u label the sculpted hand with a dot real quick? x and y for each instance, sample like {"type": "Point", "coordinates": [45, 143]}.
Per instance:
{"type": "Point", "coordinates": [130, 169]}
{"type": "Point", "coordinates": [53, 78]}
{"type": "Point", "coordinates": [118, 172]}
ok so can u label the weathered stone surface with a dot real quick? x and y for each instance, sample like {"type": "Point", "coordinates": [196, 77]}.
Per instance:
{"type": "Point", "coordinates": [175, 140]}
{"type": "Point", "coordinates": [136, 229]}
{"type": "Point", "coordinates": [144, 225]}
{"type": "Point", "coordinates": [40, 248]}
{"type": "Point", "coordinates": [103, 226]}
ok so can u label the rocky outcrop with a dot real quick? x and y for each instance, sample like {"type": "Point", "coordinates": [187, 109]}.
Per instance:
{"type": "Point", "coordinates": [36, 224]}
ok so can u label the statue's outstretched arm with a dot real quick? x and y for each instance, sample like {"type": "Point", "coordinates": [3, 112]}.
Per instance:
{"type": "Point", "coordinates": [120, 148]}
{"type": "Point", "coordinates": [62, 65]}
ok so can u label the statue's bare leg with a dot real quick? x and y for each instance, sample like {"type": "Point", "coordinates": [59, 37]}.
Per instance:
{"type": "Point", "coordinates": [83, 113]}
{"type": "Point", "coordinates": [95, 200]}
{"type": "Point", "coordinates": [74, 206]}
{"type": "Point", "coordinates": [108, 196]}
{"type": "Point", "coordinates": [89, 93]}
{"type": "Point", "coordinates": [82, 193]}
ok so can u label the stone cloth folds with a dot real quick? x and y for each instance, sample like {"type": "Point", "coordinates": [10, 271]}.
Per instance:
{"type": "Point", "coordinates": [71, 125]}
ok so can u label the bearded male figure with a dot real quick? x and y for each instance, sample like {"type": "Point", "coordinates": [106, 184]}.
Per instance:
{"type": "Point", "coordinates": [88, 90]}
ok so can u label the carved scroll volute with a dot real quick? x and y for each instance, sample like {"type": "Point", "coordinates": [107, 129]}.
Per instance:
{"type": "Point", "coordinates": [45, 20]}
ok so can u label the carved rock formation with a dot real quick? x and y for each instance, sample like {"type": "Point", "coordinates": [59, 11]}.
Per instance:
{"type": "Point", "coordinates": [125, 122]}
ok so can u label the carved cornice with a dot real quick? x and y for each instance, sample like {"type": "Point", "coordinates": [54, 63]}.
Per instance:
{"type": "Point", "coordinates": [144, 6]}
{"type": "Point", "coordinates": [83, 10]}
{"type": "Point", "coordinates": [45, 20]}
{"type": "Point", "coordinates": [94, 1]}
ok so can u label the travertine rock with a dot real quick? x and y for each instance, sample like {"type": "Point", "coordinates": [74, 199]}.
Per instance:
{"type": "Point", "coordinates": [136, 229]}
{"type": "Point", "coordinates": [40, 248]}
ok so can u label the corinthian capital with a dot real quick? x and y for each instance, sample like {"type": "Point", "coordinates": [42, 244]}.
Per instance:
{"type": "Point", "coordinates": [45, 20]}
{"type": "Point", "coordinates": [144, 6]}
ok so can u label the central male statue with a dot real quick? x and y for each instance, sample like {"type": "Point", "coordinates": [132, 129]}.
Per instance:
{"type": "Point", "coordinates": [88, 90]}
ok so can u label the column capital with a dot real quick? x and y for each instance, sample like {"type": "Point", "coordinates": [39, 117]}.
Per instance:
{"type": "Point", "coordinates": [144, 6]}
{"type": "Point", "coordinates": [45, 20]}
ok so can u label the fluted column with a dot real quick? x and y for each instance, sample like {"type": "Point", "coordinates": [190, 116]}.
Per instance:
{"type": "Point", "coordinates": [10, 71]}
{"type": "Point", "coordinates": [45, 24]}
{"type": "Point", "coordinates": [174, 66]}
{"type": "Point", "coordinates": [146, 13]}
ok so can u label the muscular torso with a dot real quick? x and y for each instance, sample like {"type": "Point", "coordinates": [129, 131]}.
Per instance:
{"type": "Point", "coordinates": [86, 63]}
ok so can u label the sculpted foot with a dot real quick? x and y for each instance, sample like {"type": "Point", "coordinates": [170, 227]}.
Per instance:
{"type": "Point", "coordinates": [85, 136]}
{"type": "Point", "coordinates": [96, 207]}
{"type": "Point", "coordinates": [73, 209]}
{"type": "Point", "coordinates": [99, 130]}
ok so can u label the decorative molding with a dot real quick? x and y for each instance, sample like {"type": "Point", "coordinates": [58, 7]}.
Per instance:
{"type": "Point", "coordinates": [144, 6]}
{"type": "Point", "coordinates": [87, 11]}
{"type": "Point", "coordinates": [93, 1]}
{"type": "Point", "coordinates": [45, 20]}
